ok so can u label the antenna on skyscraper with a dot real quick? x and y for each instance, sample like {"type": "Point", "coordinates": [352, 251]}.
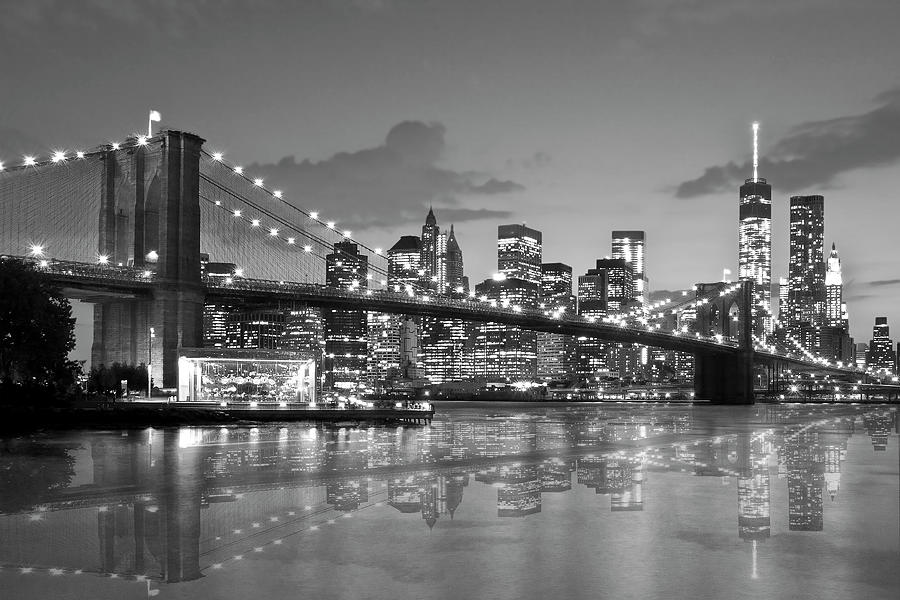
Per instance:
{"type": "Point", "coordinates": [755, 150]}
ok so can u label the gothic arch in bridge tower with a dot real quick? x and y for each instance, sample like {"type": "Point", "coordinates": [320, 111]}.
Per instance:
{"type": "Point", "coordinates": [714, 323]}
{"type": "Point", "coordinates": [732, 325]}
{"type": "Point", "coordinates": [151, 215]}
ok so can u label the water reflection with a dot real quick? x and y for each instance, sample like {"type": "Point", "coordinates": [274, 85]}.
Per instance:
{"type": "Point", "coordinates": [175, 505]}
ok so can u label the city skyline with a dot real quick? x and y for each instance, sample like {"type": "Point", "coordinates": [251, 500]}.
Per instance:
{"type": "Point", "coordinates": [603, 160]}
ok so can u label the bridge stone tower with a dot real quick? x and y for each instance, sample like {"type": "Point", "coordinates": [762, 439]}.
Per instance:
{"type": "Point", "coordinates": [725, 378]}
{"type": "Point", "coordinates": [150, 217]}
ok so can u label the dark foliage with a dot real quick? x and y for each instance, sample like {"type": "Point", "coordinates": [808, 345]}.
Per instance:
{"type": "Point", "coordinates": [107, 380]}
{"type": "Point", "coordinates": [37, 332]}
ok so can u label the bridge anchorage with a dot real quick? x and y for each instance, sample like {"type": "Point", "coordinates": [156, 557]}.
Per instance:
{"type": "Point", "coordinates": [131, 227]}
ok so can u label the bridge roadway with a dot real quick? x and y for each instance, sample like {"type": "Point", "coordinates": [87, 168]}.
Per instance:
{"type": "Point", "coordinates": [88, 280]}
{"type": "Point", "coordinates": [464, 309]}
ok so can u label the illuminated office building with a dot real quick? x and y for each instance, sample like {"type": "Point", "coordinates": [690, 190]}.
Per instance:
{"type": "Point", "coordinates": [304, 333]}
{"type": "Point", "coordinates": [620, 279]}
{"type": "Point", "coordinates": [861, 350]}
{"type": "Point", "coordinates": [258, 329]}
{"type": "Point", "coordinates": [784, 312]}
{"type": "Point", "coordinates": [303, 330]}
{"type": "Point", "coordinates": [555, 351]}
{"type": "Point", "coordinates": [806, 266]}
{"type": "Point", "coordinates": [383, 347]}
{"type": "Point", "coordinates": [456, 281]}
{"type": "Point", "coordinates": [834, 292]}
{"type": "Point", "coordinates": [629, 246]}
{"type": "Point", "coordinates": [881, 355]}
{"type": "Point", "coordinates": [447, 350]}
{"type": "Point", "coordinates": [506, 352]}
{"type": "Point", "coordinates": [592, 353]}
{"type": "Point", "coordinates": [345, 330]}
{"type": "Point", "coordinates": [755, 242]}
{"type": "Point", "coordinates": [410, 363]}
{"type": "Point", "coordinates": [405, 263]}
{"type": "Point", "coordinates": [215, 324]}
{"type": "Point", "coordinates": [434, 274]}
{"type": "Point", "coordinates": [519, 250]}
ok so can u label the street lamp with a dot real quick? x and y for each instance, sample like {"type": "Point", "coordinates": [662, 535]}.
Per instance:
{"type": "Point", "coordinates": [149, 359]}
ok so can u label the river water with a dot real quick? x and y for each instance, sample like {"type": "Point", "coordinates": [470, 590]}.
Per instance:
{"type": "Point", "coordinates": [490, 501]}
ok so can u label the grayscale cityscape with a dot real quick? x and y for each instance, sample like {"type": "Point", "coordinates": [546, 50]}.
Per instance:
{"type": "Point", "coordinates": [431, 299]}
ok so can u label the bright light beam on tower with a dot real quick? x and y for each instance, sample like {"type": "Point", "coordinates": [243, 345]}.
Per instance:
{"type": "Point", "coordinates": [755, 150]}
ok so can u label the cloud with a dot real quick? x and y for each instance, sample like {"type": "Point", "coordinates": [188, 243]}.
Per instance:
{"type": "Point", "coordinates": [538, 160]}
{"type": "Point", "coordinates": [882, 282]}
{"type": "Point", "coordinates": [495, 186]}
{"type": "Point", "coordinates": [390, 184]}
{"type": "Point", "coordinates": [813, 154]}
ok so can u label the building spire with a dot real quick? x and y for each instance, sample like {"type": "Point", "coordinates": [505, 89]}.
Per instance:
{"type": "Point", "coordinates": [755, 151]}
{"type": "Point", "coordinates": [430, 219]}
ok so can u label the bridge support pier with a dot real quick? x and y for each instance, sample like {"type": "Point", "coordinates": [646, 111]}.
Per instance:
{"type": "Point", "coordinates": [724, 379]}
{"type": "Point", "coordinates": [169, 216]}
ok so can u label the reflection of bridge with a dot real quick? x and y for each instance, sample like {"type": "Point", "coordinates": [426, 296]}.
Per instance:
{"type": "Point", "coordinates": [175, 504]}
{"type": "Point", "coordinates": [124, 226]}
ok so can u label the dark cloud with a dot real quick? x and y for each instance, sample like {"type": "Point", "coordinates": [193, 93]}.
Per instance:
{"type": "Point", "coordinates": [813, 154]}
{"type": "Point", "coordinates": [495, 186]}
{"type": "Point", "coordinates": [882, 282]}
{"type": "Point", "coordinates": [390, 184]}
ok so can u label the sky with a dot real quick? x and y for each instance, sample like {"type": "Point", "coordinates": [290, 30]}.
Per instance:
{"type": "Point", "coordinates": [576, 118]}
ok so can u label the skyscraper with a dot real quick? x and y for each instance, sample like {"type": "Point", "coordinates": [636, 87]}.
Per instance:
{"type": "Point", "coordinates": [383, 347]}
{"type": "Point", "coordinates": [834, 294]}
{"type": "Point", "coordinates": [755, 242]}
{"type": "Point", "coordinates": [592, 303]}
{"type": "Point", "coordinates": [345, 330]}
{"type": "Point", "coordinates": [303, 333]}
{"type": "Point", "coordinates": [784, 312]}
{"type": "Point", "coordinates": [259, 329]}
{"type": "Point", "coordinates": [506, 352]}
{"type": "Point", "coordinates": [556, 352]}
{"type": "Point", "coordinates": [456, 281]}
{"type": "Point", "coordinates": [405, 263]}
{"type": "Point", "coordinates": [881, 348]}
{"type": "Point", "coordinates": [806, 266]}
{"type": "Point", "coordinates": [447, 344]}
{"type": "Point", "coordinates": [621, 283]}
{"type": "Point", "coordinates": [433, 250]}
{"type": "Point", "coordinates": [629, 246]}
{"type": "Point", "coordinates": [605, 290]}
{"type": "Point", "coordinates": [519, 250]}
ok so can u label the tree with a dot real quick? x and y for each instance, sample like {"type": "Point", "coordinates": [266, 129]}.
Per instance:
{"type": "Point", "coordinates": [105, 380]}
{"type": "Point", "coordinates": [37, 330]}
